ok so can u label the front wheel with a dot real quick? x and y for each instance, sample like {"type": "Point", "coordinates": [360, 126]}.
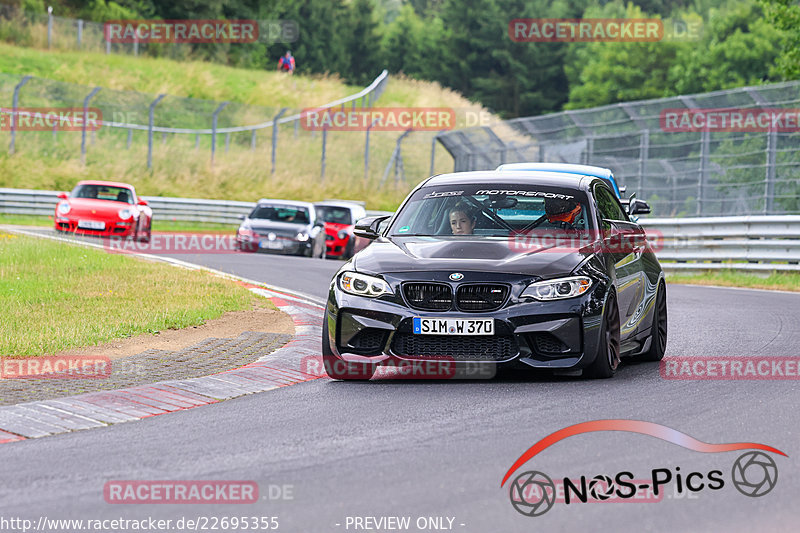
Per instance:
{"type": "Point", "coordinates": [658, 338]}
{"type": "Point", "coordinates": [607, 358]}
{"type": "Point", "coordinates": [342, 370]}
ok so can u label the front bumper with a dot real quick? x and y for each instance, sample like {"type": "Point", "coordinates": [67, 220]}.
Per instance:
{"type": "Point", "coordinates": [551, 335]}
{"type": "Point", "coordinates": [280, 245]}
{"type": "Point", "coordinates": [115, 228]}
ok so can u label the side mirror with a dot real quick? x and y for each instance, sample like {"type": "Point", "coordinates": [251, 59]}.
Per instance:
{"type": "Point", "coordinates": [63, 195]}
{"type": "Point", "coordinates": [369, 227]}
{"type": "Point", "coordinates": [622, 189]}
{"type": "Point", "coordinates": [141, 201]}
{"type": "Point", "coordinates": [638, 207]}
{"type": "Point", "coordinates": [241, 217]}
{"type": "Point", "coordinates": [319, 224]}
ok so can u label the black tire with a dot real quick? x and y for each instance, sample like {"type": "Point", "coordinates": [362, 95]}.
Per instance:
{"type": "Point", "coordinates": [342, 370]}
{"type": "Point", "coordinates": [607, 358]}
{"type": "Point", "coordinates": [146, 236]}
{"type": "Point", "coordinates": [658, 342]}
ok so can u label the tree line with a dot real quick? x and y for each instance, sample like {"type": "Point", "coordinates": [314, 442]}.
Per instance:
{"type": "Point", "coordinates": [465, 45]}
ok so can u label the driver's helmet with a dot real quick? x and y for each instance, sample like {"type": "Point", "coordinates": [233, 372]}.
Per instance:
{"type": "Point", "coordinates": [558, 210]}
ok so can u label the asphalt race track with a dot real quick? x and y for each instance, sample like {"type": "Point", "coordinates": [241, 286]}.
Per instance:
{"type": "Point", "coordinates": [441, 448]}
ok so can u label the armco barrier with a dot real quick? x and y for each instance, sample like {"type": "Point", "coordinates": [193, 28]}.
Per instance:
{"type": "Point", "coordinates": [36, 202]}
{"type": "Point", "coordinates": [750, 243]}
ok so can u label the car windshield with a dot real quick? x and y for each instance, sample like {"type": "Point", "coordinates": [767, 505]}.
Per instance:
{"type": "Point", "coordinates": [281, 213]}
{"type": "Point", "coordinates": [103, 192]}
{"type": "Point", "coordinates": [499, 211]}
{"type": "Point", "coordinates": [337, 215]}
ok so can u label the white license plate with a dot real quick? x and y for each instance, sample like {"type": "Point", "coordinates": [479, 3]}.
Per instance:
{"type": "Point", "coordinates": [453, 326]}
{"type": "Point", "coordinates": [91, 224]}
{"type": "Point", "coordinates": [271, 245]}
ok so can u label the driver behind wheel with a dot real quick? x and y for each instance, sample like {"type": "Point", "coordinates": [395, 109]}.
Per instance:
{"type": "Point", "coordinates": [558, 210]}
{"type": "Point", "coordinates": [462, 220]}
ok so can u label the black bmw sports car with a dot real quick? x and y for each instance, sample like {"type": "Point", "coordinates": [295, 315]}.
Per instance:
{"type": "Point", "coordinates": [526, 269]}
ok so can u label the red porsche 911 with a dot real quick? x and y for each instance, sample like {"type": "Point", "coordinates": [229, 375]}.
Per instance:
{"type": "Point", "coordinates": [105, 209]}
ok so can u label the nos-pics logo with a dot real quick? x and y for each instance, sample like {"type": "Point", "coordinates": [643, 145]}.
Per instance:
{"type": "Point", "coordinates": [533, 493]}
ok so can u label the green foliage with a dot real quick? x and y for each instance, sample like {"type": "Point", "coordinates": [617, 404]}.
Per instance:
{"type": "Point", "coordinates": [784, 15]}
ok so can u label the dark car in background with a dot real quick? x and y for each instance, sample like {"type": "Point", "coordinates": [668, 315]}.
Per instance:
{"type": "Point", "coordinates": [514, 268]}
{"type": "Point", "coordinates": [340, 217]}
{"type": "Point", "coordinates": [284, 227]}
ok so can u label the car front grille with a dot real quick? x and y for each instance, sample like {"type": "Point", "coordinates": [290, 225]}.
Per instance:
{"type": "Point", "coordinates": [483, 297]}
{"type": "Point", "coordinates": [429, 296]}
{"type": "Point", "coordinates": [455, 347]}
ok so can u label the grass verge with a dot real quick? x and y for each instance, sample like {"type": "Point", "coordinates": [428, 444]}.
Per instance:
{"type": "Point", "coordinates": [158, 225]}
{"type": "Point", "coordinates": [56, 296]}
{"type": "Point", "coordinates": [784, 281]}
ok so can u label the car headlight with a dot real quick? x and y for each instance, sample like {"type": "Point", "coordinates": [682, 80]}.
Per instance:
{"type": "Point", "coordinates": [363, 285]}
{"type": "Point", "coordinates": [342, 235]}
{"type": "Point", "coordinates": [558, 289]}
{"type": "Point", "coordinates": [302, 236]}
{"type": "Point", "coordinates": [64, 208]}
{"type": "Point", "coordinates": [125, 214]}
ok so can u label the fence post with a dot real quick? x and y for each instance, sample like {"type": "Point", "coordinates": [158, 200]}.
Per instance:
{"type": "Point", "coordinates": [644, 155]}
{"type": "Point", "coordinates": [150, 131]}
{"type": "Point", "coordinates": [130, 138]}
{"type": "Point", "coordinates": [324, 144]}
{"type": "Point", "coordinates": [253, 140]}
{"type": "Point", "coordinates": [83, 128]}
{"type": "Point", "coordinates": [49, 26]}
{"type": "Point", "coordinates": [433, 150]}
{"type": "Point", "coordinates": [769, 186]}
{"type": "Point", "coordinates": [108, 46]}
{"type": "Point", "coordinates": [135, 44]}
{"type": "Point", "coordinates": [275, 135]}
{"type": "Point", "coordinates": [705, 139]}
{"type": "Point", "coordinates": [14, 107]}
{"type": "Point", "coordinates": [227, 142]}
{"type": "Point", "coordinates": [366, 150]}
{"type": "Point", "coordinates": [397, 159]}
{"type": "Point", "coordinates": [80, 31]}
{"type": "Point", "coordinates": [196, 141]}
{"type": "Point", "coordinates": [214, 129]}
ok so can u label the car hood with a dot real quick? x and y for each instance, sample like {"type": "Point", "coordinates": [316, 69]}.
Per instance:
{"type": "Point", "coordinates": [100, 207]}
{"type": "Point", "coordinates": [493, 254]}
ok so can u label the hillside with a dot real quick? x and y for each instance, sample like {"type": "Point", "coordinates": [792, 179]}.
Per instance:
{"type": "Point", "coordinates": [182, 170]}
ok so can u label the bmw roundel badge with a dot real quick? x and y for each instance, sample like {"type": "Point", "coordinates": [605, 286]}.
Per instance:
{"type": "Point", "coordinates": [456, 276]}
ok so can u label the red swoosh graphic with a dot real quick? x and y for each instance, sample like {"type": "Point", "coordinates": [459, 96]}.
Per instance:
{"type": "Point", "coordinates": [634, 426]}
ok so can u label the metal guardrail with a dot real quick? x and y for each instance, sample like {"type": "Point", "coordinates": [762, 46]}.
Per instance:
{"type": "Point", "coordinates": [751, 243]}
{"type": "Point", "coordinates": [37, 202]}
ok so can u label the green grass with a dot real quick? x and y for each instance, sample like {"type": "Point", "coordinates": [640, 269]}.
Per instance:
{"type": "Point", "coordinates": [239, 174]}
{"type": "Point", "coordinates": [158, 225]}
{"type": "Point", "coordinates": [784, 281]}
{"type": "Point", "coordinates": [57, 296]}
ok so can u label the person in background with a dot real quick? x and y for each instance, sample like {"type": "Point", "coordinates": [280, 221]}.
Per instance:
{"type": "Point", "coordinates": [286, 63]}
